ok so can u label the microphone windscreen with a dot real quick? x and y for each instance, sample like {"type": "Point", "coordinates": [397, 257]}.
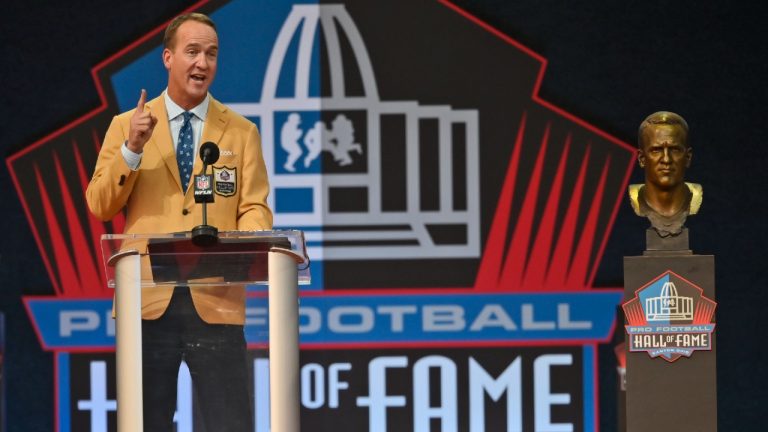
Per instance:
{"type": "Point", "coordinates": [209, 152]}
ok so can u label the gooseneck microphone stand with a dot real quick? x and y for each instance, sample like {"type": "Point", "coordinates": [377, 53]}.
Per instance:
{"type": "Point", "coordinates": [205, 235]}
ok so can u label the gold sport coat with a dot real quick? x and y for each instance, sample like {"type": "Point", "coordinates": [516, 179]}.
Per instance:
{"type": "Point", "coordinates": [155, 203]}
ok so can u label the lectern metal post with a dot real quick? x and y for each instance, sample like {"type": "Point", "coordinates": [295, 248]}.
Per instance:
{"type": "Point", "coordinates": [283, 341]}
{"type": "Point", "coordinates": [128, 342]}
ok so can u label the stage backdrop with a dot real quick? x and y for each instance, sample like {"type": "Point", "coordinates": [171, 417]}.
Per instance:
{"type": "Point", "coordinates": [454, 219]}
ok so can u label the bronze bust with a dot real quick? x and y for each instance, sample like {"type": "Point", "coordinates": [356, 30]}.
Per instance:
{"type": "Point", "coordinates": [664, 154]}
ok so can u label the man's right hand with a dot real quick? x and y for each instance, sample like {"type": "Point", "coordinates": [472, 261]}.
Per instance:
{"type": "Point", "coordinates": [142, 125]}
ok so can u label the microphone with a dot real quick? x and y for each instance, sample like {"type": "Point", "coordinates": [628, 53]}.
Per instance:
{"type": "Point", "coordinates": [205, 235]}
{"type": "Point", "coordinates": [209, 153]}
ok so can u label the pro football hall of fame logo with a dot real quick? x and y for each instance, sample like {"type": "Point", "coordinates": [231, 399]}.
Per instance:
{"type": "Point", "coordinates": [454, 219]}
{"type": "Point", "coordinates": [669, 317]}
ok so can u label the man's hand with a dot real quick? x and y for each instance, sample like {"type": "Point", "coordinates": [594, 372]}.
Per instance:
{"type": "Point", "coordinates": [142, 125]}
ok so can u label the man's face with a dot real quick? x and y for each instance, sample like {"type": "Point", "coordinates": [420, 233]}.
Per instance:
{"type": "Point", "coordinates": [191, 63]}
{"type": "Point", "coordinates": [664, 155]}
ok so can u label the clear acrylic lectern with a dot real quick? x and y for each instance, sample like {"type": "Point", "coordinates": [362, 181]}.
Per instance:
{"type": "Point", "coordinates": [143, 261]}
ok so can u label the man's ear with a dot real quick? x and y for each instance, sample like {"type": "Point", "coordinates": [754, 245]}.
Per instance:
{"type": "Point", "coordinates": [688, 157]}
{"type": "Point", "coordinates": [641, 158]}
{"type": "Point", "coordinates": [167, 58]}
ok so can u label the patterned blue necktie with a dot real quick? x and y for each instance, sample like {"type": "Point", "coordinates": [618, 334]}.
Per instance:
{"type": "Point", "coordinates": [184, 150]}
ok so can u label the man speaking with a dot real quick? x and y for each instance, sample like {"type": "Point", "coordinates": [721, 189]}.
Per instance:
{"type": "Point", "coordinates": [144, 166]}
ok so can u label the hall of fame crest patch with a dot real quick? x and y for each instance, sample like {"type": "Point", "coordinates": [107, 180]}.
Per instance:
{"type": "Point", "coordinates": [225, 180]}
{"type": "Point", "coordinates": [670, 317]}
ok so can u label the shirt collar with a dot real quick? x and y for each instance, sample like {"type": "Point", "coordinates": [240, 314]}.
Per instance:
{"type": "Point", "coordinates": [174, 110]}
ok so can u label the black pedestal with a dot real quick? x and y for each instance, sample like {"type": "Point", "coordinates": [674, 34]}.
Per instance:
{"type": "Point", "coordinates": [680, 395]}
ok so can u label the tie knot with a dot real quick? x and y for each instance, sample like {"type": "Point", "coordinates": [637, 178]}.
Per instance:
{"type": "Point", "coordinates": [187, 116]}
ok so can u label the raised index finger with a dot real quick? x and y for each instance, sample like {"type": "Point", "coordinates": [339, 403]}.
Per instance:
{"type": "Point", "coordinates": [142, 100]}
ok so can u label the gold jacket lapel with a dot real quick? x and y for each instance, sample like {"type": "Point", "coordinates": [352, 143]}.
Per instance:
{"type": "Point", "coordinates": [161, 138]}
{"type": "Point", "coordinates": [215, 124]}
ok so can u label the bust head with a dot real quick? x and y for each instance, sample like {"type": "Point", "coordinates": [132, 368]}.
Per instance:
{"type": "Point", "coordinates": [663, 151]}
{"type": "Point", "coordinates": [664, 154]}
